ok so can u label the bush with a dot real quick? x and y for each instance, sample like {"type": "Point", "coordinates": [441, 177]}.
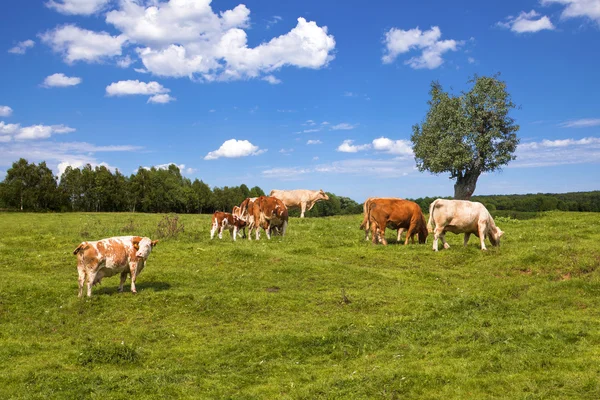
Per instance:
{"type": "Point", "coordinates": [169, 227]}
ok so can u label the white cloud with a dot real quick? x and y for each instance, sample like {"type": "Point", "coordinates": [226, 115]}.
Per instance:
{"type": "Point", "coordinates": [21, 47]}
{"type": "Point", "coordinates": [233, 148]}
{"type": "Point", "coordinates": [166, 166]}
{"type": "Point", "coordinates": [527, 22]}
{"type": "Point", "coordinates": [161, 99]}
{"type": "Point", "coordinates": [5, 111]}
{"type": "Point", "coordinates": [348, 147]}
{"type": "Point", "coordinates": [310, 122]}
{"type": "Point", "coordinates": [131, 87]}
{"type": "Point", "coordinates": [398, 41]}
{"type": "Point", "coordinates": [31, 132]}
{"type": "Point", "coordinates": [274, 20]}
{"type": "Point", "coordinates": [76, 44]}
{"type": "Point", "coordinates": [397, 147]}
{"type": "Point", "coordinates": [125, 62]}
{"type": "Point", "coordinates": [578, 8]}
{"type": "Point", "coordinates": [181, 38]}
{"type": "Point", "coordinates": [581, 123]}
{"type": "Point", "coordinates": [271, 79]}
{"type": "Point", "coordinates": [557, 152]}
{"type": "Point", "coordinates": [471, 60]}
{"type": "Point", "coordinates": [344, 126]}
{"type": "Point", "coordinates": [314, 142]}
{"type": "Point", "coordinates": [77, 7]}
{"type": "Point", "coordinates": [60, 80]}
{"type": "Point", "coordinates": [311, 130]}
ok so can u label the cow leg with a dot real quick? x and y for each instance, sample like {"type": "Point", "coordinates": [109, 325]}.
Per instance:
{"type": "Point", "coordinates": [213, 229]}
{"type": "Point", "coordinates": [268, 232]}
{"type": "Point", "coordinates": [123, 279]}
{"type": "Point", "coordinates": [91, 277]}
{"type": "Point", "coordinates": [303, 209]}
{"type": "Point", "coordinates": [400, 231]}
{"type": "Point", "coordinates": [443, 237]}
{"type": "Point", "coordinates": [235, 232]}
{"type": "Point", "coordinates": [438, 232]}
{"type": "Point", "coordinates": [284, 228]}
{"type": "Point", "coordinates": [467, 236]}
{"type": "Point", "coordinates": [133, 271]}
{"type": "Point", "coordinates": [221, 230]}
{"type": "Point", "coordinates": [409, 234]}
{"type": "Point", "coordinates": [81, 280]}
{"type": "Point", "coordinates": [482, 228]}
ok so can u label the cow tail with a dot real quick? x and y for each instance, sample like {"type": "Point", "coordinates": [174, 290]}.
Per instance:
{"type": "Point", "coordinates": [430, 226]}
{"type": "Point", "coordinates": [79, 248]}
{"type": "Point", "coordinates": [366, 212]}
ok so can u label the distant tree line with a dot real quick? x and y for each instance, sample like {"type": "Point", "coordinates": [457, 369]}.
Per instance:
{"type": "Point", "coordinates": [574, 201]}
{"type": "Point", "coordinates": [31, 187]}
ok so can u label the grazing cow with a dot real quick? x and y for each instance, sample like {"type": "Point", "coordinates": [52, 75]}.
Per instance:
{"type": "Point", "coordinates": [396, 214]}
{"type": "Point", "coordinates": [107, 257]}
{"type": "Point", "coordinates": [222, 220]}
{"type": "Point", "coordinates": [365, 224]}
{"type": "Point", "coordinates": [299, 198]}
{"type": "Point", "coordinates": [462, 216]}
{"type": "Point", "coordinates": [245, 213]}
{"type": "Point", "coordinates": [269, 213]}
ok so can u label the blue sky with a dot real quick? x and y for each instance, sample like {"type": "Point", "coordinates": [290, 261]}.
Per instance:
{"type": "Point", "coordinates": [304, 94]}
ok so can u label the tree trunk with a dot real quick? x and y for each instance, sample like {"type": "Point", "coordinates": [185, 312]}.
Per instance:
{"type": "Point", "coordinates": [465, 185]}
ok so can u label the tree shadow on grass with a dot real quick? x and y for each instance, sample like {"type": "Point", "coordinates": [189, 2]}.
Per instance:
{"type": "Point", "coordinates": [153, 286]}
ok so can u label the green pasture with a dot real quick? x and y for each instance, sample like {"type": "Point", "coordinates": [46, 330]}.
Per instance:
{"type": "Point", "coordinates": [317, 314]}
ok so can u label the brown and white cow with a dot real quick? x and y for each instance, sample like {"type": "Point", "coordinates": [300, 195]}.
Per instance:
{"type": "Point", "coordinates": [222, 220]}
{"type": "Point", "coordinates": [108, 257]}
{"type": "Point", "coordinates": [365, 225]}
{"type": "Point", "coordinates": [462, 216]}
{"type": "Point", "coordinates": [396, 214]}
{"type": "Point", "coordinates": [300, 198]}
{"type": "Point", "coordinates": [245, 212]}
{"type": "Point", "coordinates": [268, 213]}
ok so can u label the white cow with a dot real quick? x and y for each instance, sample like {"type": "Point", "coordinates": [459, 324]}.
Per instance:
{"type": "Point", "coordinates": [462, 216]}
{"type": "Point", "coordinates": [299, 198]}
{"type": "Point", "coordinates": [107, 257]}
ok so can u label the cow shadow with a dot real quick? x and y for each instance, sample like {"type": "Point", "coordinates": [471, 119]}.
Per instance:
{"type": "Point", "coordinates": [153, 286]}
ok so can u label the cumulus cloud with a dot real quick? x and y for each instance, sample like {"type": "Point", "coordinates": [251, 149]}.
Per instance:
{"type": "Point", "coordinates": [348, 147]}
{"type": "Point", "coordinates": [157, 91]}
{"type": "Point", "coordinates": [233, 148]}
{"type": "Point", "coordinates": [18, 132]}
{"type": "Point", "coordinates": [557, 152]}
{"type": "Point", "coordinates": [398, 41]}
{"type": "Point", "coordinates": [60, 80]}
{"type": "Point", "coordinates": [77, 7]}
{"type": "Point", "coordinates": [578, 8]}
{"type": "Point", "coordinates": [396, 147]}
{"type": "Point", "coordinates": [76, 44]}
{"type": "Point", "coordinates": [581, 123]}
{"type": "Point", "coordinates": [161, 99]}
{"type": "Point", "coordinates": [527, 22]}
{"type": "Point", "coordinates": [344, 126]}
{"type": "Point", "coordinates": [5, 111]}
{"type": "Point", "coordinates": [186, 38]}
{"type": "Point", "coordinates": [314, 142]}
{"type": "Point", "coordinates": [22, 47]}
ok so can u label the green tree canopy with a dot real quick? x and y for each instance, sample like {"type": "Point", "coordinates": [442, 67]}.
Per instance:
{"type": "Point", "coordinates": [468, 134]}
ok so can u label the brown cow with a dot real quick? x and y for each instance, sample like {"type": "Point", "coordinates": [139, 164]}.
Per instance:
{"type": "Point", "coordinates": [299, 198]}
{"type": "Point", "coordinates": [398, 214]}
{"type": "Point", "coordinates": [107, 257]}
{"type": "Point", "coordinates": [268, 213]}
{"type": "Point", "coordinates": [222, 220]}
{"type": "Point", "coordinates": [366, 213]}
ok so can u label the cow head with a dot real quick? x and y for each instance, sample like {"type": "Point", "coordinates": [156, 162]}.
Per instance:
{"type": "Point", "coordinates": [143, 246]}
{"type": "Point", "coordinates": [495, 235]}
{"type": "Point", "coordinates": [322, 195]}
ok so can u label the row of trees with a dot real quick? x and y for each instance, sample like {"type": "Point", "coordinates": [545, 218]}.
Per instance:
{"type": "Point", "coordinates": [31, 187]}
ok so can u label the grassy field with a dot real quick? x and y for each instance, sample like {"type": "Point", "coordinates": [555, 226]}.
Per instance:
{"type": "Point", "coordinates": [319, 313]}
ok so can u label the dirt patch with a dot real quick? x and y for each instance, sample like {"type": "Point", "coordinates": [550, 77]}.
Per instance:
{"type": "Point", "coordinates": [273, 289]}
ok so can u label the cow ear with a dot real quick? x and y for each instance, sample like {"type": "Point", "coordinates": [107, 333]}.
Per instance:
{"type": "Point", "coordinates": [136, 242]}
{"type": "Point", "coordinates": [154, 242]}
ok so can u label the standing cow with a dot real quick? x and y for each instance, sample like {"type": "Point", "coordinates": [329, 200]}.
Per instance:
{"type": "Point", "coordinates": [396, 214]}
{"type": "Point", "coordinates": [462, 216]}
{"type": "Point", "coordinates": [299, 198]}
{"type": "Point", "coordinates": [107, 257]}
{"type": "Point", "coordinates": [365, 225]}
{"type": "Point", "coordinates": [268, 213]}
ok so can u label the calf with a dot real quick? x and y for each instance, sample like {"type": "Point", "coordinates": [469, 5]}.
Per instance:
{"type": "Point", "coordinates": [462, 216]}
{"type": "Point", "coordinates": [107, 257]}
{"type": "Point", "coordinates": [222, 220]}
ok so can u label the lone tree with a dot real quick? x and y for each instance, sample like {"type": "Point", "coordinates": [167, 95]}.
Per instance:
{"type": "Point", "coordinates": [467, 135]}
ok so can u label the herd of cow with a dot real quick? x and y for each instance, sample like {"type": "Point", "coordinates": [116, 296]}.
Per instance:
{"type": "Point", "coordinates": [128, 254]}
